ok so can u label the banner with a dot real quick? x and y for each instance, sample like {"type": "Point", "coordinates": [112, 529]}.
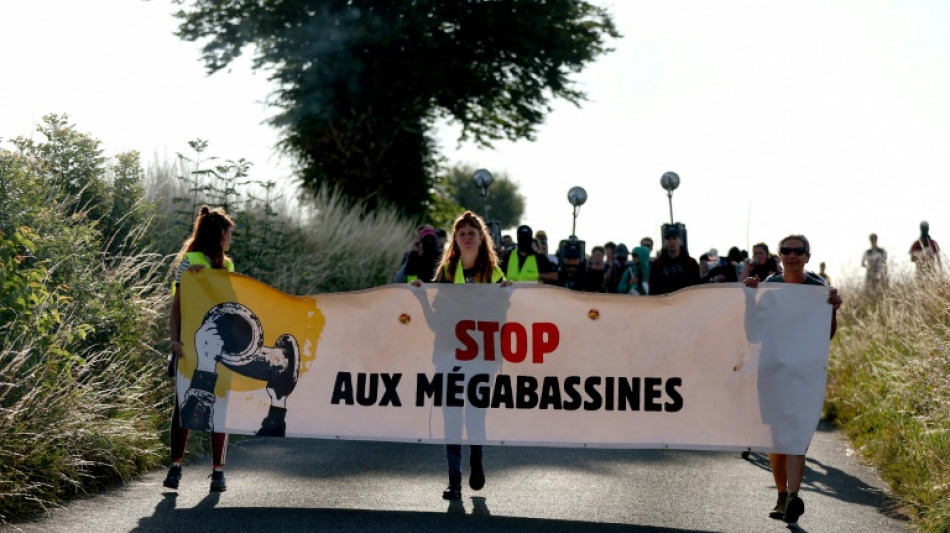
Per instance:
{"type": "Point", "coordinates": [712, 367]}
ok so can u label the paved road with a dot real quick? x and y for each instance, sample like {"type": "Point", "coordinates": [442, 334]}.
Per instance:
{"type": "Point", "coordinates": [313, 485]}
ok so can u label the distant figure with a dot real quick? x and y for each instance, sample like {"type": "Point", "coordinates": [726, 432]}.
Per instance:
{"type": "Point", "coordinates": [525, 264]}
{"type": "Point", "coordinates": [542, 238]}
{"type": "Point", "coordinates": [727, 271]}
{"type": "Point", "coordinates": [925, 252]}
{"type": "Point", "coordinates": [421, 264]}
{"type": "Point", "coordinates": [762, 264]}
{"type": "Point", "coordinates": [822, 274]}
{"type": "Point", "coordinates": [874, 261]}
{"type": "Point", "coordinates": [616, 267]}
{"type": "Point", "coordinates": [594, 277]}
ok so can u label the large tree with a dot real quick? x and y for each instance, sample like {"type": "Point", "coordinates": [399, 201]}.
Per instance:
{"type": "Point", "coordinates": [361, 82]}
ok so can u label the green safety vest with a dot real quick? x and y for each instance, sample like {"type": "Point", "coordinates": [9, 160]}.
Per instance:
{"type": "Point", "coordinates": [527, 272]}
{"type": "Point", "coordinates": [199, 258]}
{"type": "Point", "coordinates": [496, 275]}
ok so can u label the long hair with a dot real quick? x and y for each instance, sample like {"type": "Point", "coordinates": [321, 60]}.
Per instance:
{"type": "Point", "coordinates": [210, 226]}
{"type": "Point", "coordinates": [487, 259]}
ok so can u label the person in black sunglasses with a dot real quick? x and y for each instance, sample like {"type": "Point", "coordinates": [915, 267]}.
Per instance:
{"type": "Point", "coordinates": [788, 470]}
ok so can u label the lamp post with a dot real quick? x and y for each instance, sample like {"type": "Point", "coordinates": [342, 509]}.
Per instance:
{"type": "Point", "coordinates": [577, 196]}
{"type": "Point", "coordinates": [483, 180]}
{"type": "Point", "coordinates": [670, 181]}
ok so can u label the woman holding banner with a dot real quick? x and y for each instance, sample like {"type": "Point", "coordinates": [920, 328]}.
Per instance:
{"type": "Point", "coordinates": [789, 470]}
{"type": "Point", "coordinates": [206, 246]}
{"type": "Point", "coordinates": [471, 258]}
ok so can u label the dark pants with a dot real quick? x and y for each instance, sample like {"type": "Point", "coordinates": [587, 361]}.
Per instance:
{"type": "Point", "coordinates": [453, 454]}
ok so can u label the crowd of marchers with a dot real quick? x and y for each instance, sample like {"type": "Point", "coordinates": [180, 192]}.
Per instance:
{"type": "Point", "coordinates": [615, 268]}
{"type": "Point", "coordinates": [607, 268]}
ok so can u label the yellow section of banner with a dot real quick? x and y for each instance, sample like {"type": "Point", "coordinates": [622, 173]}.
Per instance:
{"type": "Point", "coordinates": [271, 322]}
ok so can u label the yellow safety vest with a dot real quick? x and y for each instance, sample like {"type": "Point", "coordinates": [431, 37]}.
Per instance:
{"type": "Point", "coordinates": [199, 258]}
{"type": "Point", "coordinates": [496, 275]}
{"type": "Point", "coordinates": [528, 272]}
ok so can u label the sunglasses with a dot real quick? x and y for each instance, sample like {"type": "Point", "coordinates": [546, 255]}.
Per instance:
{"type": "Point", "coordinates": [785, 250]}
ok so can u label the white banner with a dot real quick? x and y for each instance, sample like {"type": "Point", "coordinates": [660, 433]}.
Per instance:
{"type": "Point", "coordinates": [706, 368]}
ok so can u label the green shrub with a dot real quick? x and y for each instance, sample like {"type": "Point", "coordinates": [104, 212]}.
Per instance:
{"type": "Point", "coordinates": [889, 388]}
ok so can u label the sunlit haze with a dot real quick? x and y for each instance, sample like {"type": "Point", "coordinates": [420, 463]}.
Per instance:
{"type": "Point", "coordinates": [830, 119]}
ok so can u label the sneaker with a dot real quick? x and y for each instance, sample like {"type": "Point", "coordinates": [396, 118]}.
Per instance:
{"type": "Point", "coordinates": [218, 483]}
{"type": "Point", "coordinates": [173, 477]}
{"type": "Point", "coordinates": [477, 479]}
{"type": "Point", "coordinates": [794, 509]}
{"type": "Point", "coordinates": [778, 512]}
{"type": "Point", "coordinates": [452, 492]}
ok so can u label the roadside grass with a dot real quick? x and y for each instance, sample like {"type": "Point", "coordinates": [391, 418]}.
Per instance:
{"type": "Point", "coordinates": [889, 389]}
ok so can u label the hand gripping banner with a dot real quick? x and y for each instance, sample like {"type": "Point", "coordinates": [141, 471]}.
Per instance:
{"type": "Point", "coordinates": [714, 367]}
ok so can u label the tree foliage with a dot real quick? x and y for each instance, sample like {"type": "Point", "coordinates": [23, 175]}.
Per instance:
{"type": "Point", "coordinates": [505, 203]}
{"type": "Point", "coordinates": [360, 82]}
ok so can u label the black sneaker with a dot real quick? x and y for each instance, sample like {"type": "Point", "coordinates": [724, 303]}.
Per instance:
{"type": "Point", "coordinates": [218, 483]}
{"type": "Point", "coordinates": [173, 477]}
{"type": "Point", "coordinates": [477, 479]}
{"type": "Point", "coordinates": [452, 492]}
{"type": "Point", "coordinates": [794, 509]}
{"type": "Point", "coordinates": [778, 512]}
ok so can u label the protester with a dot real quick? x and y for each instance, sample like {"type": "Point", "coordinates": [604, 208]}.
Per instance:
{"type": "Point", "coordinates": [762, 264]}
{"type": "Point", "coordinates": [673, 269]}
{"type": "Point", "coordinates": [616, 267]}
{"type": "Point", "coordinates": [727, 271]}
{"type": "Point", "coordinates": [594, 275]}
{"type": "Point", "coordinates": [925, 253]}
{"type": "Point", "coordinates": [874, 261]}
{"type": "Point", "coordinates": [205, 248]}
{"type": "Point", "coordinates": [822, 274]}
{"type": "Point", "coordinates": [572, 274]}
{"type": "Point", "coordinates": [526, 265]}
{"type": "Point", "coordinates": [471, 258]}
{"type": "Point", "coordinates": [421, 264]}
{"type": "Point", "coordinates": [631, 281]}
{"type": "Point", "coordinates": [789, 470]}
{"type": "Point", "coordinates": [543, 249]}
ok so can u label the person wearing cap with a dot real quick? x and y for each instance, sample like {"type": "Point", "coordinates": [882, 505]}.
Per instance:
{"type": "Point", "coordinates": [616, 268]}
{"type": "Point", "coordinates": [925, 253]}
{"type": "Point", "coordinates": [673, 269]}
{"type": "Point", "coordinates": [422, 264]}
{"type": "Point", "coordinates": [524, 264]}
{"type": "Point", "coordinates": [573, 275]}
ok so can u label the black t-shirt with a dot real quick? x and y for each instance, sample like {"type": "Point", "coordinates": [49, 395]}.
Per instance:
{"type": "Point", "coordinates": [668, 275]}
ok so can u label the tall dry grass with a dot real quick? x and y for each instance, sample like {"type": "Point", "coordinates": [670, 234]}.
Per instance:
{"type": "Point", "coordinates": [889, 388]}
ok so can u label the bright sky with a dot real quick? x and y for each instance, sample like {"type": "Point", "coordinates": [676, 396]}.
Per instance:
{"type": "Point", "coordinates": [830, 119]}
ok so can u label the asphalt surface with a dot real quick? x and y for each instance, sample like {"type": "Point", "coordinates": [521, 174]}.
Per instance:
{"type": "Point", "coordinates": [287, 485]}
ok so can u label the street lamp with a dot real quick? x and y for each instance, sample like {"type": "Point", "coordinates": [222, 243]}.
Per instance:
{"type": "Point", "coordinates": [483, 180]}
{"type": "Point", "coordinates": [577, 196]}
{"type": "Point", "coordinates": [670, 181]}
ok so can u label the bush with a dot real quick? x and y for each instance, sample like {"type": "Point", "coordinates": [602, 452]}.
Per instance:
{"type": "Point", "coordinates": [889, 388]}
{"type": "Point", "coordinates": [77, 389]}
{"type": "Point", "coordinates": [86, 246]}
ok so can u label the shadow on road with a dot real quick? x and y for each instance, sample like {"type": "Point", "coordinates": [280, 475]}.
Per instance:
{"type": "Point", "coordinates": [833, 482]}
{"type": "Point", "coordinates": [460, 517]}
